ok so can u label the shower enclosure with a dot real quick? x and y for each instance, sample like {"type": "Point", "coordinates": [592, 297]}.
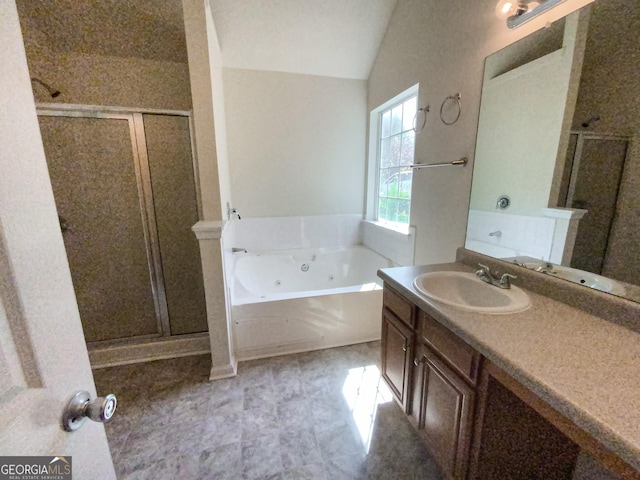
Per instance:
{"type": "Point", "coordinates": [593, 174]}
{"type": "Point", "coordinates": [125, 186]}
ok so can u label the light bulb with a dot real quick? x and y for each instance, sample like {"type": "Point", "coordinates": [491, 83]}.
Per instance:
{"type": "Point", "coordinates": [504, 8]}
{"type": "Point", "coordinates": [509, 8]}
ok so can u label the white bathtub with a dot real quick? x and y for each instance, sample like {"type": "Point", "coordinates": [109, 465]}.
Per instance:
{"type": "Point", "coordinates": [298, 300]}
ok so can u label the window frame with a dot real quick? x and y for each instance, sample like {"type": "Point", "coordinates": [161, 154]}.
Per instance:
{"type": "Point", "coordinates": [374, 161]}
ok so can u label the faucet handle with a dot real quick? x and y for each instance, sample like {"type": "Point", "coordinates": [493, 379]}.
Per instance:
{"type": "Point", "coordinates": [504, 280]}
{"type": "Point", "coordinates": [483, 269]}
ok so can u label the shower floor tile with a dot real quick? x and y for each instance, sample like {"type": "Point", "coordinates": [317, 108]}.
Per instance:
{"type": "Point", "coordinates": [323, 415]}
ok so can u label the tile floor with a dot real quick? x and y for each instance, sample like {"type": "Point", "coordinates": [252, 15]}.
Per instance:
{"type": "Point", "coordinates": [322, 415]}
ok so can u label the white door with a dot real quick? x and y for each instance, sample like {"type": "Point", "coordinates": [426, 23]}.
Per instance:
{"type": "Point", "coordinates": [43, 357]}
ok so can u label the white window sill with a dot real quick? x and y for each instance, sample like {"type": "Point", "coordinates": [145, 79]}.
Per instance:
{"type": "Point", "coordinates": [400, 228]}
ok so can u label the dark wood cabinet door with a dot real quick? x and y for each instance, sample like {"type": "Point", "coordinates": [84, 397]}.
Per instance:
{"type": "Point", "coordinates": [446, 414]}
{"type": "Point", "coordinates": [397, 343]}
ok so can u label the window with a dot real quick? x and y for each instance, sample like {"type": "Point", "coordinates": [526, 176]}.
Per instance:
{"type": "Point", "coordinates": [392, 124]}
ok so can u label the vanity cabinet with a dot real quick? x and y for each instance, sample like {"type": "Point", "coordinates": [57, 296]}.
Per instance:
{"type": "Point", "coordinates": [477, 421]}
{"type": "Point", "coordinates": [445, 413]}
{"type": "Point", "coordinates": [432, 374]}
{"type": "Point", "coordinates": [397, 344]}
{"type": "Point", "coordinates": [446, 370]}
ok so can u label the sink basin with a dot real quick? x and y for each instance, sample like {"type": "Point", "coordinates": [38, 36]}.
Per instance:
{"type": "Point", "coordinates": [582, 277]}
{"type": "Point", "coordinates": [467, 292]}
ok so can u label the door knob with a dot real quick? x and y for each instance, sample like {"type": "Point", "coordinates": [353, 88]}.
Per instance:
{"type": "Point", "coordinates": [80, 407]}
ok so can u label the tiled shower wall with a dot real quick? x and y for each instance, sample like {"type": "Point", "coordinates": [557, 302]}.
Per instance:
{"type": "Point", "coordinates": [519, 234]}
{"type": "Point", "coordinates": [319, 231]}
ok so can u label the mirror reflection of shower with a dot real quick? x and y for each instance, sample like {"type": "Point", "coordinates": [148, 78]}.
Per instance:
{"type": "Point", "coordinates": [52, 91]}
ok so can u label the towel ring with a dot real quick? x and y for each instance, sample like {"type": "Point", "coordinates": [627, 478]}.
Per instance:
{"type": "Point", "coordinates": [425, 111]}
{"type": "Point", "coordinates": [457, 98]}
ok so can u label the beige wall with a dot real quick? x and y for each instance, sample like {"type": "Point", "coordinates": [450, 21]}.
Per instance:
{"type": "Point", "coordinates": [296, 143]}
{"type": "Point", "coordinates": [442, 45]}
{"type": "Point", "coordinates": [103, 80]}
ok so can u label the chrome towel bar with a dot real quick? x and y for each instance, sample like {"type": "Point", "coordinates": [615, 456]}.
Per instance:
{"type": "Point", "coordinates": [461, 162]}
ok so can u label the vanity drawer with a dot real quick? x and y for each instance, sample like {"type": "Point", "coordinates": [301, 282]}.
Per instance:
{"type": "Point", "coordinates": [402, 308]}
{"type": "Point", "coordinates": [457, 352]}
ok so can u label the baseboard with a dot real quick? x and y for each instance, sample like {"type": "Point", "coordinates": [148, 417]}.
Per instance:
{"type": "Point", "coordinates": [224, 371]}
{"type": "Point", "coordinates": [149, 350]}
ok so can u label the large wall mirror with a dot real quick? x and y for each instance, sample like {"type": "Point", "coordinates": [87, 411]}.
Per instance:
{"type": "Point", "coordinates": [556, 181]}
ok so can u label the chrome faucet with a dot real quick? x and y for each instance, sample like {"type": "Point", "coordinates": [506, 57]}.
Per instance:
{"type": "Point", "coordinates": [232, 212]}
{"type": "Point", "coordinates": [486, 276]}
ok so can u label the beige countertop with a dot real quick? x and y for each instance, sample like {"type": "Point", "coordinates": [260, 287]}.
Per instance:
{"type": "Point", "coordinates": [585, 367]}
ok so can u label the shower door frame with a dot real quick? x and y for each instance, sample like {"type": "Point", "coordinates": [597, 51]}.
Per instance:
{"type": "Point", "coordinates": [577, 155]}
{"type": "Point", "coordinates": [135, 119]}
{"type": "Point", "coordinates": [582, 136]}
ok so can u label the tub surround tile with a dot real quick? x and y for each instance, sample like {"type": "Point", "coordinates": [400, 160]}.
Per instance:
{"type": "Point", "coordinates": [290, 435]}
{"type": "Point", "coordinates": [284, 233]}
{"type": "Point", "coordinates": [397, 247]}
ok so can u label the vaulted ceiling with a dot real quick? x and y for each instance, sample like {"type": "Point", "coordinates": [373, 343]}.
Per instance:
{"type": "Point", "coordinates": [336, 38]}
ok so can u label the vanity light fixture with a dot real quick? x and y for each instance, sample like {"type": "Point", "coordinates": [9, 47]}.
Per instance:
{"type": "Point", "coordinates": [518, 12]}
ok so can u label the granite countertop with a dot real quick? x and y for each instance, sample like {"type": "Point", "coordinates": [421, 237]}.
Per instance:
{"type": "Point", "coordinates": [585, 367]}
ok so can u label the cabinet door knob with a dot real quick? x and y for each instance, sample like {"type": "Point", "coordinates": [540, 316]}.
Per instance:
{"type": "Point", "coordinates": [417, 362]}
{"type": "Point", "coordinates": [405, 347]}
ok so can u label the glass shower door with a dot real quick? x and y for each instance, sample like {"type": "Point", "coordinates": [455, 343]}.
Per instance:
{"type": "Point", "coordinates": [596, 174]}
{"type": "Point", "coordinates": [95, 182]}
{"type": "Point", "coordinates": [171, 171]}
